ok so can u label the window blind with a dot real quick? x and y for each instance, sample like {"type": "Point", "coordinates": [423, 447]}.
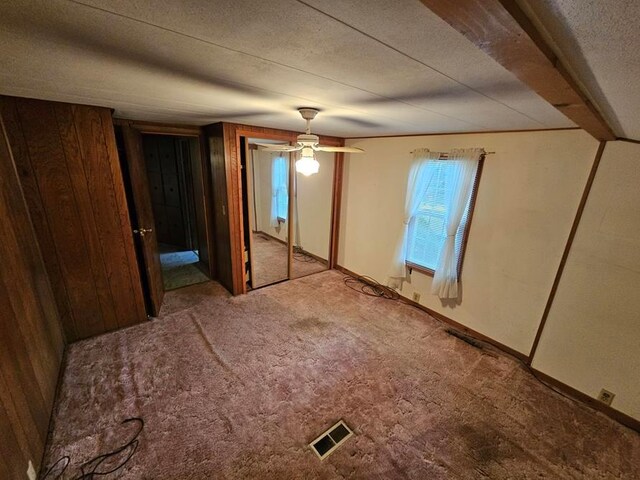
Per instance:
{"type": "Point", "coordinates": [427, 230]}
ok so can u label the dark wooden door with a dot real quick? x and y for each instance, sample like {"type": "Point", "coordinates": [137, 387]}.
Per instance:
{"type": "Point", "coordinates": [145, 230]}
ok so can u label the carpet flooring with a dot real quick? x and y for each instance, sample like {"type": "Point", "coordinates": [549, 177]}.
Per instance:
{"type": "Point", "coordinates": [236, 387]}
{"type": "Point", "coordinates": [270, 261]}
{"type": "Point", "coordinates": [180, 268]}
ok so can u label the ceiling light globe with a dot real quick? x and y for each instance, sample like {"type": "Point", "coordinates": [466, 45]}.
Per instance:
{"type": "Point", "coordinates": [307, 166]}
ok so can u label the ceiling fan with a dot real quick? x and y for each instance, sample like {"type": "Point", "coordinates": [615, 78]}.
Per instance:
{"type": "Point", "coordinates": [308, 144]}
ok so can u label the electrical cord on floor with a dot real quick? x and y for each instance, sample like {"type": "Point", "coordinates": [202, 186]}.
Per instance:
{"type": "Point", "coordinates": [300, 255]}
{"type": "Point", "coordinates": [371, 287]}
{"type": "Point", "coordinates": [89, 469]}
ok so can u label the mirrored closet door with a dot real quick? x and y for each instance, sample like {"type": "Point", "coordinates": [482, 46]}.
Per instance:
{"type": "Point", "coordinates": [268, 180]}
{"type": "Point", "coordinates": [312, 205]}
{"type": "Point", "coordinates": [289, 209]}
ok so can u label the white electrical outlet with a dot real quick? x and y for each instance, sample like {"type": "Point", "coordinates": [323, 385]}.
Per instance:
{"type": "Point", "coordinates": [416, 297]}
{"type": "Point", "coordinates": [31, 472]}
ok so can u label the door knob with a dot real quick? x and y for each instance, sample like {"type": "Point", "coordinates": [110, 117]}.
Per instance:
{"type": "Point", "coordinates": [142, 231]}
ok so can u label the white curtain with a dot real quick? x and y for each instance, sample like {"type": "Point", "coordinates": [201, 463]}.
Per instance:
{"type": "Point", "coordinates": [419, 180]}
{"type": "Point", "coordinates": [461, 174]}
{"type": "Point", "coordinates": [279, 184]}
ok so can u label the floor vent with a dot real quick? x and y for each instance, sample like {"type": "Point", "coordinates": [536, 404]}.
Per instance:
{"type": "Point", "coordinates": [330, 440]}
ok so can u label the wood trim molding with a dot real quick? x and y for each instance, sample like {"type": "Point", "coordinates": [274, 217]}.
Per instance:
{"type": "Point", "coordinates": [431, 134]}
{"type": "Point", "coordinates": [617, 415]}
{"type": "Point", "coordinates": [233, 173]}
{"type": "Point", "coordinates": [157, 128]}
{"type": "Point", "coordinates": [292, 194]}
{"type": "Point", "coordinates": [502, 30]}
{"type": "Point", "coordinates": [630, 140]}
{"type": "Point", "coordinates": [458, 326]}
{"type": "Point", "coordinates": [567, 249]}
{"type": "Point", "coordinates": [336, 206]}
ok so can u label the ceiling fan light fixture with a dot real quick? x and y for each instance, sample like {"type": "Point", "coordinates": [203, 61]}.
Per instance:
{"type": "Point", "coordinates": [307, 165]}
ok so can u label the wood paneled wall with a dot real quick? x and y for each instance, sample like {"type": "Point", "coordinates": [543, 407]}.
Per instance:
{"type": "Point", "coordinates": [31, 339]}
{"type": "Point", "coordinates": [69, 169]}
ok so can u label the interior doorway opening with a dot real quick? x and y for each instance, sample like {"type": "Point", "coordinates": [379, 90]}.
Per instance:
{"type": "Point", "coordinates": [166, 178]}
{"type": "Point", "coordinates": [173, 183]}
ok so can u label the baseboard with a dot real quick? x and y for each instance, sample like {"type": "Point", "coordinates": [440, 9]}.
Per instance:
{"type": "Point", "coordinates": [617, 415]}
{"type": "Point", "coordinates": [312, 255]}
{"type": "Point", "coordinates": [611, 412]}
{"type": "Point", "coordinates": [458, 326]}
{"type": "Point", "coordinates": [271, 237]}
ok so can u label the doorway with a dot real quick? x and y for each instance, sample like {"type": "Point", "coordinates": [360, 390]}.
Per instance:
{"type": "Point", "coordinates": [166, 181]}
{"type": "Point", "coordinates": [172, 185]}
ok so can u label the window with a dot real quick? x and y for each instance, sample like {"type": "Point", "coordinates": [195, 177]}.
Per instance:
{"type": "Point", "coordinates": [279, 190]}
{"type": "Point", "coordinates": [427, 230]}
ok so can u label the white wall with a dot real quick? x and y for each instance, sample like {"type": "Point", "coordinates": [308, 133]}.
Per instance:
{"type": "Point", "coordinates": [527, 200]}
{"type": "Point", "coordinates": [315, 195]}
{"type": "Point", "coordinates": [592, 336]}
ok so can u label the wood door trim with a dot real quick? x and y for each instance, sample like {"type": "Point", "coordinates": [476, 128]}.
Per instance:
{"type": "Point", "coordinates": [292, 187]}
{"type": "Point", "coordinates": [502, 30]}
{"type": "Point", "coordinates": [567, 249]}
{"type": "Point", "coordinates": [251, 206]}
{"type": "Point", "coordinates": [336, 205]}
{"type": "Point", "coordinates": [157, 128]}
{"type": "Point", "coordinates": [207, 190]}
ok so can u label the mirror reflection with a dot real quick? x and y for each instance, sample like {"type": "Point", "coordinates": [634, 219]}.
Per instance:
{"type": "Point", "coordinates": [269, 212]}
{"type": "Point", "coordinates": [312, 200]}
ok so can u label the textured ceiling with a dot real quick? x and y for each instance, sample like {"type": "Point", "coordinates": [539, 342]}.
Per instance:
{"type": "Point", "coordinates": [372, 67]}
{"type": "Point", "coordinates": [599, 42]}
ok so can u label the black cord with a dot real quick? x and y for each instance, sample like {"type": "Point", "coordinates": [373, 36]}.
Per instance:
{"type": "Point", "coordinates": [302, 256]}
{"type": "Point", "coordinates": [371, 287]}
{"type": "Point", "coordinates": [89, 469]}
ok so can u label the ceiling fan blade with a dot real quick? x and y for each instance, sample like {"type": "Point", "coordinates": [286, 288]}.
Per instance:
{"type": "Point", "coordinates": [322, 148]}
{"type": "Point", "coordinates": [279, 148]}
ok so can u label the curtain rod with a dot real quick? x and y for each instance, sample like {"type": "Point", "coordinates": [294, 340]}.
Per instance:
{"type": "Point", "coordinates": [446, 155]}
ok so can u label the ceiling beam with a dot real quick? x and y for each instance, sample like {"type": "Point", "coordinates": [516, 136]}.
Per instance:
{"type": "Point", "coordinates": [503, 31]}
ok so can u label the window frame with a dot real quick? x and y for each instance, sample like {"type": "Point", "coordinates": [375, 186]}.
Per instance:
{"type": "Point", "coordinates": [287, 173]}
{"type": "Point", "coordinates": [465, 235]}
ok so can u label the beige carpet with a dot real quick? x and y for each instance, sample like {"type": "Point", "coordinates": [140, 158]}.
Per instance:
{"type": "Point", "coordinates": [270, 261]}
{"type": "Point", "coordinates": [235, 388]}
{"type": "Point", "coordinates": [179, 268]}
